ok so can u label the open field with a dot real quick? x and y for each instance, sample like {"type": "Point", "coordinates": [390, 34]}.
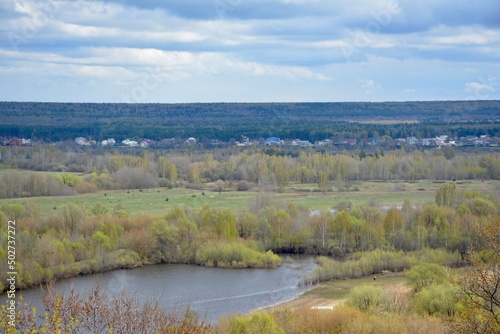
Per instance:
{"type": "Point", "coordinates": [159, 200]}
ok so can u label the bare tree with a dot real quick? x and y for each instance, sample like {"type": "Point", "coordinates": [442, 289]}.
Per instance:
{"type": "Point", "coordinates": [481, 284]}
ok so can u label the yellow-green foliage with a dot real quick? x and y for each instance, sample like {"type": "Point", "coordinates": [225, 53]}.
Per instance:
{"type": "Point", "coordinates": [438, 299]}
{"type": "Point", "coordinates": [341, 320]}
{"type": "Point", "coordinates": [255, 323]}
{"type": "Point", "coordinates": [378, 260]}
{"type": "Point", "coordinates": [236, 255]}
{"type": "Point", "coordinates": [367, 298]}
{"type": "Point", "coordinates": [71, 242]}
{"type": "Point", "coordinates": [123, 258]}
{"type": "Point", "coordinates": [68, 179]}
{"type": "Point", "coordinates": [424, 275]}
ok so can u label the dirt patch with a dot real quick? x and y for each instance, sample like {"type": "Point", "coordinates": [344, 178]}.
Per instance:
{"type": "Point", "coordinates": [313, 302]}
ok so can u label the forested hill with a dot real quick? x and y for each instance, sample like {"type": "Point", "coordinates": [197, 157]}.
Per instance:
{"type": "Point", "coordinates": [224, 121]}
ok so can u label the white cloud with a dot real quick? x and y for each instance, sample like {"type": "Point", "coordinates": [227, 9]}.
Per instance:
{"type": "Point", "coordinates": [76, 30]}
{"type": "Point", "coordinates": [479, 90]}
{"type": "Point", "coordinates": [300, 44]}
{"type": "Point", "coordinates": [369, 86]}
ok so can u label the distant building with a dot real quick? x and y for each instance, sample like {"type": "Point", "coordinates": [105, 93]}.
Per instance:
{"type": "Point", "coordinates": [16, 142]}
{"type": "Point", "coordinates": [130, 143]}
{"type": "Point", "coordinates": [324, 142]}
{"type": "Point", "coordinates": [84, 142]}
{"type": "Point", "coordinates": [190, 140]}
{"type": "Point", "coordinates": [146, 143]}
{"type": "Point", "coordinates": [399, 141]}
{"type": "Point", "coordinates": [81, 141]}
{"type": "Point", "coordinates": [412, 141]}
{"type": "Point", "coordinates": [303, 143]}
{"type": "Point", "coordinates": [108, 142]}
{"type": "Point", "coordinates": [428, 142]}
{"type": "Point", "coordinates": [273, 141]}
{"type": "Point", "coordinates": [351, 141]}
{"type": "Point", "coordinates": [441, 140]}
{"type": "Point", "coordinates": [245, 141]}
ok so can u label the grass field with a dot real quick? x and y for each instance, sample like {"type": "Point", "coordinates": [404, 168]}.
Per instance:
{"type": "Point", "coordinates": [154, 201]}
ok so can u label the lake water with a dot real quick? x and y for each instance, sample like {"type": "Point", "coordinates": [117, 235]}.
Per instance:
{"type": "Point", "coordinates": [211, 292]}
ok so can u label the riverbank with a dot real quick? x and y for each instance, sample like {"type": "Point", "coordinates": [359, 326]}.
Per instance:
{"type": "Point", "coordinates": [324, 309]}
{"type": "Point", "coordinates": [328, 295]}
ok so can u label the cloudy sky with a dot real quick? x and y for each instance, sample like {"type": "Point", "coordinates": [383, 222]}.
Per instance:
{"type": "Point", "coordinates": [249, 50]}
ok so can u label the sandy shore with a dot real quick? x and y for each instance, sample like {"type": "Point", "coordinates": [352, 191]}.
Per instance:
{"type": "Point", "coordinates": [328, 295]}
{"type": "Point", "coordinates": [310, 301]}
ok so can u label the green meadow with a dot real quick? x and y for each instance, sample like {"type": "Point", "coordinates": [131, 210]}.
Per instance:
{"type": "Point", "coordinates": [157, 201]}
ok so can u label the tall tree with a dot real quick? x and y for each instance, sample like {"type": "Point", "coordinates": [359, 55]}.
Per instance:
{"type": "Point", "coordinates": [446, 195]}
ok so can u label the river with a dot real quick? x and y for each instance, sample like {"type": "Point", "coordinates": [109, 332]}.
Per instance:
{"type": "Point", "coordinates": [211, 292]}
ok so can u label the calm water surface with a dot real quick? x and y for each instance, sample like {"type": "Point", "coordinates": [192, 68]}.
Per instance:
{"type": "Point", "coordinates": [211, 292]}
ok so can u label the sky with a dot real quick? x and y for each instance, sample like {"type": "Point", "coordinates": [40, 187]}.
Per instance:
{"type": "Point", "coordinates": [181, 51]}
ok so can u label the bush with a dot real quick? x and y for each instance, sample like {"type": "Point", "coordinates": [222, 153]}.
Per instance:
{"type": "Point", "coordinates": [122, 258]}
{"type": "Point", "coordinates": [165, 183]}
{"type": "Point", "coordinates": [343, 319]}
{"type": "Point", "coordinates": [242, 186]}
{"type": "Point", "coordinates": [424, 275]}
{"type": "Point", "coordinates": [344, 205]}
{"type": "Point", "coordinates": [134, 178]}
{"type": "Point", "coordinates": [438, 300]}
{"type": "Point", "coordinates": [85, 187]}
{"type": "Point", "coordinates": [235, 255]}
{"type": "Point", "coordinates": [256, 322]}
{"type": "Point", "coordinates": [367, 298]}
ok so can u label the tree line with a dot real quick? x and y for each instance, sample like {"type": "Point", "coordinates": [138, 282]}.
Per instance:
{"type": "Point", "coordinates": [227, 170]}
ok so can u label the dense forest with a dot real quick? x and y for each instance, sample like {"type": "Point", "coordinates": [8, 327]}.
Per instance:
{"type": "Point", "coordinates": [53, 122]}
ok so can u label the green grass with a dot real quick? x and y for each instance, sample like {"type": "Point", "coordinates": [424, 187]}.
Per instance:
{"type": "Point", "coordinates": [148, 201]}
{"type": "Point", "coordinates": [153, 201]}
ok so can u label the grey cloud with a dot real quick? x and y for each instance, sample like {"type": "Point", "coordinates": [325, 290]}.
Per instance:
{"type": "Point", "coordinates": [281, 38]}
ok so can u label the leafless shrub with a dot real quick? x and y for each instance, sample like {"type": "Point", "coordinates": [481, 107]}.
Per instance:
{"type": "Point", "coordinates": [96, 312]}
{"type": "Point", "coordinates": [134, 178]}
